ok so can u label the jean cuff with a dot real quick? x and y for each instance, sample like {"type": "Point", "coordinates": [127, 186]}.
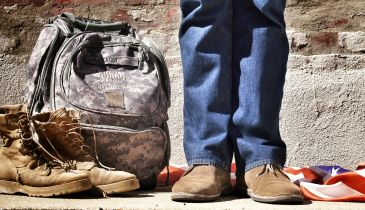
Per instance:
{"type": "Point", "coordinates": [216, 163]}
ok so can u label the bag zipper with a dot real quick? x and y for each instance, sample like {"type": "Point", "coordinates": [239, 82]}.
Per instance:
{"type": "Point", "coordinates": [116, 128]}
{"type": "Point", "coordinates": [53, 73]}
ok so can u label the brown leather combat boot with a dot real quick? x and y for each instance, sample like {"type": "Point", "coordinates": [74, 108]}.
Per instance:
{"type": "Point", "coordinates": [202, 183]}
{"type": "Point", "coordinates": [24, 167]}
{"type": "Point", "coordinates": [268, 184]}
{"type": "Point", "coordinates": [59, 132]}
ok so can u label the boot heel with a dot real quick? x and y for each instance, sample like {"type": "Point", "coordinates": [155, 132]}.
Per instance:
{"type": "Point", "coordinates": [9, 187]}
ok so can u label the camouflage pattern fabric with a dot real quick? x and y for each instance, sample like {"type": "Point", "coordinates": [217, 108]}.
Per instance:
{"type": "Point", "coordinates": [37, 67]}
{"type": "Point", "coordinates": [115, 80]}
{"type": "Point", "coordinates": [120, 95]}
{"type": "Point", "coordinates": [130, 150]}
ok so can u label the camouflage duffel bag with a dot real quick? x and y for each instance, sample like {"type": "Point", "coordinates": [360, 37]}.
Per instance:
{"type": "Point", "coordinates": [116, 79]}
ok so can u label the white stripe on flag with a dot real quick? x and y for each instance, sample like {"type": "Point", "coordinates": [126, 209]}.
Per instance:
{"type": "Point", "coordinates": [361, 172]}
{"type": "Point", "coordinates": [233, 176]}
{"type": "Point", "coordinates": [330, 191]}
{"type": "Point", "coordinates": [295, 177]}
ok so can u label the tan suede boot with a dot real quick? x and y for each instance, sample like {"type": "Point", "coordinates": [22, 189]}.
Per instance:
{"type": "Point", "coordinates": [269, 184]}
{"type": "Point", "coordinates": [59, 132]}
{"type": "Point", "coordinates": [202, 183]}
{"type": "Point", "coordinates": [24, 167]}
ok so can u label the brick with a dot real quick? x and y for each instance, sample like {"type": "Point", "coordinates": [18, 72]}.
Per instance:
{"type": "Point", "coordinates": [291, 3]}
{"type": "Point", "coordinates": [137, 2]}
{"type": "Point", "coordinates": [121, 15]}
{"type": "Point", "coordinates": [22, 2]}
{"type": "Point", "coordinates": [10, 8]}
{"type": "Point", "coordinates": [297, 40]}
{"type": "Point", "coordinates": [79, 2]}
{"type": "Point", "coordinates": [325, 38]}
{"type": "Point", "coordinates": [142, 14]}
{"type": "Point", "coordinates": [62, 1]}
{"type": "Point", "coordinates": [338, 22]}
{"type": "Point", "coordinates": [144, 2]}
{"type": "Point", "coordinates": [353, 41]}
{"type": "Point", "coordinates": [171, 15]}
{"type": "Point", "coordinates": [58, 10]}
{"type": "Point", "coordinates": [172, 2]}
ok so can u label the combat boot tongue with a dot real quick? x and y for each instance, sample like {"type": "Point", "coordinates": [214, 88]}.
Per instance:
{"type": "Point", "coordinates": [60, 132]}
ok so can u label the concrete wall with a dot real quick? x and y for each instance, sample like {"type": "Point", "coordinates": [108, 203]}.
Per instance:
{"type": "Point", "coordinates": [323, 113]}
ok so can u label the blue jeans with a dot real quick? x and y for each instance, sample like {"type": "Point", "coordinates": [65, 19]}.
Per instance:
{"type": "Point", "coordinates": [234, 55]}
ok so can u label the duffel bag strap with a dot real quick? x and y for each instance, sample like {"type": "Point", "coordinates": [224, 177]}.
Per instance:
{"type": "Point", "coordinates": [164, 73]}
{"type": "Point", "coordinates": [84, 24]}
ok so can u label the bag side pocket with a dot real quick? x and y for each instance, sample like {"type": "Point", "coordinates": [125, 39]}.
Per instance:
{"type": "Point", "coordinates": [140, 152]}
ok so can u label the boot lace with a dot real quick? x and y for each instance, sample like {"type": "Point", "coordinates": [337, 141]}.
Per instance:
{"type": "Point", "coordinates": [30, 141]}
{"type": "Point", "coordinates": [270, 168]}
{"type": "Point", "coordinates": [72, 131]}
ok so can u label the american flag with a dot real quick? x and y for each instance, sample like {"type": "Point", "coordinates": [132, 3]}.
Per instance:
{"type": "Point", "coordinates": [320, 183]}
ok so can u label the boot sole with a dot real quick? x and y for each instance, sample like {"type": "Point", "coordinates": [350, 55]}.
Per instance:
{"type": "Point", "coordinates": [276, 199]}
{"type": "Point", "coordinates": [119, 187]}
{"type": "Point", "coordinates": [10, 187]}
{"type": "Point", "coordinates": [184, 196]}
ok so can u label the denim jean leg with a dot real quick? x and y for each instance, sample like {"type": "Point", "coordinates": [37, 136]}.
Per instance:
{"type": "Point", "coordinates": [260, 53]}
{"type": "Point", "coordinates": [205, 42]}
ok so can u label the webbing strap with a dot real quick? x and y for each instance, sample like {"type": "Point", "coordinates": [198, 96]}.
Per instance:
{"type": "Point", "coordinates": [84, 24]}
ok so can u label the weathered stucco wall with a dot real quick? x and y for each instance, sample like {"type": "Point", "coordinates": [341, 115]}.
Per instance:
{"type": "Point", "coordinates": [323, 112]}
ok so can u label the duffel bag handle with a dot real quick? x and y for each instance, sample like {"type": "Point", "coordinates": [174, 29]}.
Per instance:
{"type": "Point", "coordinates": [94, 25]}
